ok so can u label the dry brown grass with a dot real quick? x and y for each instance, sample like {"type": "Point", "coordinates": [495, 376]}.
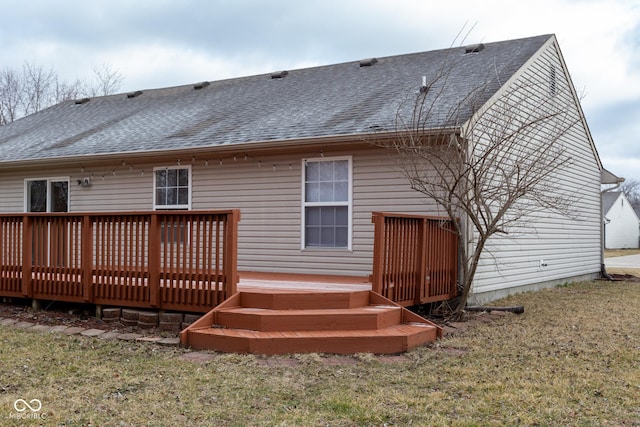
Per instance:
{"type": "Point", "coordinates": [572, 359]}
{"type": "Point", "coordinates": [630, 271]}
{"type": "Point", "coordinates": [609, 253]}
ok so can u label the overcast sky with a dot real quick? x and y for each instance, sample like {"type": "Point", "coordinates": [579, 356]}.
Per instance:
{"type": "Point", "coordinates": [159, 43]}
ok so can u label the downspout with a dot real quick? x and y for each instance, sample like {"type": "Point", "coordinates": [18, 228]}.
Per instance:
{"type": "Point", "coordinates": [603, 270]}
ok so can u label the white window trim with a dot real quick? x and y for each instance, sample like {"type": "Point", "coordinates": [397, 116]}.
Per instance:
{"type": "Point", "coordinates": [348, 203]}
{"type": "Point", "coordinates": [172, 207]}
{"type": "Point", "coordinates": [49, 181]}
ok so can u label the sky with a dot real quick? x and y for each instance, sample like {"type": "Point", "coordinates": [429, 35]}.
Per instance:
{"type": "Point", "coordinates": [161, 43]}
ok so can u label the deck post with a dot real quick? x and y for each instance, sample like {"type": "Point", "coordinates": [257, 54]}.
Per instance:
{"type": "Point", "coordinates": [421, 255]}
{"type": "Point", "coordinates": [378, 252]}
{"type": "Point", "coordinates": [230, 264]}
{"type": "Point", "coordinates": [87, 258]}
{"type": "Point", "coordinates": [154, 261]}
{"type": "Point", "coordinates": [27, 256]}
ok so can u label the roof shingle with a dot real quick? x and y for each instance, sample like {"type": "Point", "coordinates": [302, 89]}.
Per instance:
{"type": "Point", "coordinates": [340, 99]}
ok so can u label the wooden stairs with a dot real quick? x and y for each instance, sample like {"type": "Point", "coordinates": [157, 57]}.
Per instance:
{"type": "Point", "coordinates": [274, 321]}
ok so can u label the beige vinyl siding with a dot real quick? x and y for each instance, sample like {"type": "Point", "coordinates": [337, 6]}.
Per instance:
{"type": "Point", "coordinates": [570, 247]}
{"type": "Point", "coordinates": [12, 192]}
{"type": "Point", "coordinates": [127, 190]}
{"type": "Point", "coordinates": [270, 202]}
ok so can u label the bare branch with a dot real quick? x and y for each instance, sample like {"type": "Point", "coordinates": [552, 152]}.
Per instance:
{"type": "Point", "coordinates": [498, 169]}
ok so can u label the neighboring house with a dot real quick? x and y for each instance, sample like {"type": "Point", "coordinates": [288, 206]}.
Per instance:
{"type": "Point", "coordinates": [292, 151]}
{"type": "Point", "coordinates": [621, 222]}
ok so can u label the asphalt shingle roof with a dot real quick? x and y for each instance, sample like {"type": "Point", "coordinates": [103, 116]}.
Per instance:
{"type": "Point", "coordinates": [340, 99]}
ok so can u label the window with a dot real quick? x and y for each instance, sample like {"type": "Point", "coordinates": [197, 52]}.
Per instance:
{"type": "Point", "coordinates": [327, 203]}
{"type": "Point", "coordinates": [47, 195]}
{"type": "Point", "coordinates": [172, 188]}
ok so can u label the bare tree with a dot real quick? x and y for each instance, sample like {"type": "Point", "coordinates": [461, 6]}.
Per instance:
{"type": "Point", "coordinates": [37, 84]}
{"type": "Point", "coordinates": [11, 93]}
{"type": "Point", "coordinates": [107, 81]}
{"type": "Point", "coordinates": [496, 165]}
{"type": "Point", "coordinates": [34, 88]}
{"type": "Point", "coordinates": [64, 91]}
{"type": "Point", "coordinates": [631, 189]}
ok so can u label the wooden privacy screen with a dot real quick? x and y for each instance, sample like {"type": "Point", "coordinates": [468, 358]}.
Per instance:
{"type": "Point", "coordinates": [178, 260]}
{"type": "Point", "coordinates": [415, 258]}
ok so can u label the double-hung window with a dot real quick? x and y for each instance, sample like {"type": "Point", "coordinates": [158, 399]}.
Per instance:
{"type": "Point", "coordinates": [327, 203]}
{"type": "Point", "coordinates": [172, 188]}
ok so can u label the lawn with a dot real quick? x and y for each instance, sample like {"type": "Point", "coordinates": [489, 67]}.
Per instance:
{"type": "Point", "coordinates": [609, 253]}
{"type": "Point", "coordinates": [573, 358]}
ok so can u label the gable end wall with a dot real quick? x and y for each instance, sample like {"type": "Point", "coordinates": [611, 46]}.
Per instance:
{"type": "Point", "coordinates": [560, 249]}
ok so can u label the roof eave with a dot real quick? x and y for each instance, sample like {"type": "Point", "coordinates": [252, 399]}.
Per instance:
{"type": "Point", "coordinates": [333, 140]}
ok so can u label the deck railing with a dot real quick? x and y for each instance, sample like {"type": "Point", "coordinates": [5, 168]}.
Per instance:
{"type": "Point", "coordinates": [415, 258]}
{"type": "Point", "coordinates": [175, 260]}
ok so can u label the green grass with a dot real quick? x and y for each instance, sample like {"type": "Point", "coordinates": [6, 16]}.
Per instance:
{"type": "Point", "coordinates": [573, 358]}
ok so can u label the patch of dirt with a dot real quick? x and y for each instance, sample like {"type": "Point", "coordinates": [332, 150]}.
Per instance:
{"type": "Point", "coordinates": [624, 277]}
{"type": "Point", "coordinates": [69, 314]}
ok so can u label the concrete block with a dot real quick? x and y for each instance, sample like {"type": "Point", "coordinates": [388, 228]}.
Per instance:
{"type": "Point", "coordinates": [147, 325]}
{"type": "Point", "coordinates": [128, 322]}
{"type": "Point", "coordinates": [171, 318]}
{"type": "Point", "coordinates": [111, 313]}
{"type": "Point", "coordinates": [130, 314]}
{"type": "Point", "coordinates": [190, 318]}
{"type": "Point", "coordinates": [148, 317]}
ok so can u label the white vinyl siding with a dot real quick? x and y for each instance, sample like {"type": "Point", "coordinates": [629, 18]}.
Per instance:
{"type": "Point", "coordinates": [553, 247]}
{"type": "Point", "coordinates": [622, 227]}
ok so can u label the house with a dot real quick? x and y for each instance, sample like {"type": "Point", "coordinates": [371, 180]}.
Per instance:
{"type": "Point", "coordinates": [292, 151]}
{"type": "Point", "coordinates": [621, 223]}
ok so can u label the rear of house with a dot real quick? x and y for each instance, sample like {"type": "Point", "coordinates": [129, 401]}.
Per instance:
{"type": "Point", "coordinates": [293, 152]}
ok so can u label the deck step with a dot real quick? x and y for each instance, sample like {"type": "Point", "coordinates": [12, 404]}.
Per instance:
{"type": "Point", "coordinates": [391, 340]}
{"type": "Point", "coordinates": [303, 300]}
{"type": "Point", "coordinates": [285, 322]}
{"type": "Point", "coordinates": [358, 318]}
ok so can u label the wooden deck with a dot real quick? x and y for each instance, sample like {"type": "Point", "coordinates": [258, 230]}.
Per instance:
{"type": "Point", "coordinates": [169, 260]}
{"type": "Point", "coordinates": [291, 314]}
{"type": "Point", "coordinates": [187, 261]}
